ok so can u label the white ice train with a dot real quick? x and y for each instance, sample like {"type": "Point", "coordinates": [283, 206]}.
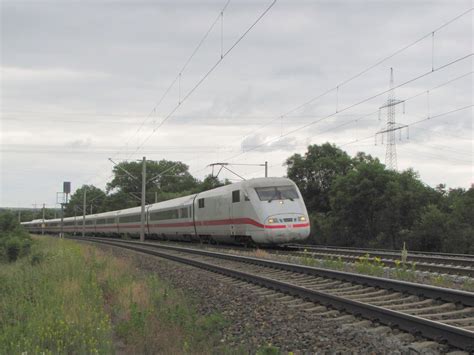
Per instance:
{"type": "Point", "coordinates": [260, 211]}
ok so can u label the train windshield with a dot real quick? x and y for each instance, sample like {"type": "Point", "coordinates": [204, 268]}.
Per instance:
{"type": "Point", "coordinates": [271, 193]}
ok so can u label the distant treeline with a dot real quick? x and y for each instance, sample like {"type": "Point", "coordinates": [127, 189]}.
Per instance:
{"type": "Point", "coordinates": [351, 201]}
{"type": "Point", "coordinates": [358, 202]}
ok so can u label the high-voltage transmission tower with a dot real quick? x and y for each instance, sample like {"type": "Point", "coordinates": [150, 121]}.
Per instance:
{"type": "Point", "coordinates": [392, 127]}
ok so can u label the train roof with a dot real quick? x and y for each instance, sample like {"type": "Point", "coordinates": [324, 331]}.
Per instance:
{"type": "Point", "coordinates": [268, 181]}
{"type": "Point", "coordinates": [108, 214]}
{"type": "Point", "coordinates": [132, 210]}
{"type": "Point", "coordinates": [251, 183]}
{"type": "Point", "coordinates": [176, 202]}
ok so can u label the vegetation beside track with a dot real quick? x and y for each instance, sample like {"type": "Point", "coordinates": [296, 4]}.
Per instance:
{"type": "Point", "coordinates": [66, 297]}
{"type": "Point", "coordinates": [15, 242]}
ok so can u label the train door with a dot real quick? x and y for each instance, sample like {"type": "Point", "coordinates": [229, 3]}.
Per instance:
{"type": "Point", "coordinates": [236, 213]}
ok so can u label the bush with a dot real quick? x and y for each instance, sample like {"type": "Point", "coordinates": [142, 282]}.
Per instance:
{"type": "Point", "coordinates": [13, 247]}
{"type": "Point", "coordinates": [15, 242]}
{"type": "Point", "coordinates": [16, 247]}
{"type": "Point", "coordinates": [8, 222]}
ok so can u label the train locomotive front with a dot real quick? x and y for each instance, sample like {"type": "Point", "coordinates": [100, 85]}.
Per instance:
{"type": "Point", "coordinates": [280, 210]}
{"type": "Point", "coordinates": [259, 211]}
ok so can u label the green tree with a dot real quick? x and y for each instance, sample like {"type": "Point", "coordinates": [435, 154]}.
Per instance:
{"type": "Point", "coordinates": [431, 229]}
{"type": "Point", "coordinates": [315, 172]}
{"type": "Point", "coordinates": [460, 235]}
{"type": "Point", "coordinates": [372, 206]}
{"type": "Point", "coordinates": [119, 200]}
{"type": "Point", "coordinates": [95, 197]}
{"type": "Point", "coordinates": [211, 182]}
{"type": "Point", "coordinates": [170, 176]}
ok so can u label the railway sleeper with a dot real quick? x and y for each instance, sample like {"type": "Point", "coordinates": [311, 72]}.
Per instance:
{"type": "Point", "coordinates": [393, 296]}
{"type": "Point", "coordinates": [413, 304]}
{"type": "Point", "coordinates": [467, 321]}
{"type": "Point", "coordinates": [404, 300]}
{"type": "Point", "coordinates": [369, 296]}
{"type": "Point", "coordinates": [459, 312]}
{"type": "Point", "coordinates": [420, 311]}
{"type": "Point", "coordinates": [359, 291]}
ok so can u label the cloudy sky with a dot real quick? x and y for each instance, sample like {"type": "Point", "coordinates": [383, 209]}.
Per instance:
{"type": "Point", "coordinates": [82, 81]}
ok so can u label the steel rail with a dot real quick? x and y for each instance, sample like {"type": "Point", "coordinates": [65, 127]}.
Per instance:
{"type": "Point", "coordinates": [396, 253]}
{"type": "Point", "coordinates": [440, 332]}
{"type": "Point", "coordinates": [434, 292]}
{"type": "Point", "coordinates": [461, 268]}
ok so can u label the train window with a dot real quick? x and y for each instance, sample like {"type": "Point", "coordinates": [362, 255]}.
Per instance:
{"type": "Point", "coordinates": [201, 203]}
{"type": "Point", "coordinates": [184, 212]}
{"type": "Point", "coordinates": [101, 221]}
{"type": "Point", "coordinates": [163, 215]}
{"type": "Point", "coordinates": [89, 222]}
{"type": "Point", "coordinates": [110, 221]}
{"type": "Point", "coordinates": [235, 196]}
{"type": "Point", "coordinates": [129, 219]}
{"type": "Point", "coordinates": [271, 193]}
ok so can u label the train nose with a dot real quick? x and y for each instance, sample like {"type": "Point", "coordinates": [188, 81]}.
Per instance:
{"type": "Point", "coordinates": [287, 228]}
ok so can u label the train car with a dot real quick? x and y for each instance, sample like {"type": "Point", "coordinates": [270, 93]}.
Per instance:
{"type": "Point", "coordinates": [129, 221]}
{"type": "Point", "coordinates": [33, 226]}
{"type": "Point", "coordinates": [256, 211]}
{"type": "Point", "coordinates": [173, 219]}
{"type": "Point", "coordinates": [69, 225]}
{"type": "Point", "coordinates": [52, 225]}
{"type": "Point", "coordinates": [106, 223]}
{"type": "Point", "coordinates": [262, 211]}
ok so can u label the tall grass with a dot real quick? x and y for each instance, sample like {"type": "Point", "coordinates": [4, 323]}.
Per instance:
{"type": "Point", "coordinates": [71, 298]}
{"type": "Point", "coordinates": [52, 305]}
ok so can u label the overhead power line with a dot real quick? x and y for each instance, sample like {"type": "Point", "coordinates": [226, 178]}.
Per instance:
{"type": "Point", "coordinates": [180, 73]}
{"type": "Point", "coordinates": [193, 89]}
{"type": "Point", "coordinates": [338, 86]}
{"type": "Point", "coordinates": [354, 105]}
{"type": "Point", "coordinates": [415, 123]}
{"type": "Point", "coordinates": [223, 55]}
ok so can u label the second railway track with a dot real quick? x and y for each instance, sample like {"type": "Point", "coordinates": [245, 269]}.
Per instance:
{"type": "Point", "coordinates": [441, 263]}
{"type": "Point", "coordinates": [444, 315]}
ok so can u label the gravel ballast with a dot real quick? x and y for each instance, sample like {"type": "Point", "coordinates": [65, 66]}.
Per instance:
{"type": "Point", "coordinates": [258, 317]}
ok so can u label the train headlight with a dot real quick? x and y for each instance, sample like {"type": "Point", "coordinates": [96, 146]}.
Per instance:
{"type": "Point", "coordinates": [302, 219]}
{"type": "Point", "coordinates": [272, 220]}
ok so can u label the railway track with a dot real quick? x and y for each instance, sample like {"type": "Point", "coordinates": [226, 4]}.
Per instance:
{"type": "Point", "coordinates": [444, 315]}
{"type": "Point", "coordinates": [453, 265]}
{"type": "Point", "coordinates": [434, 264]}
{"type": "Point", "coordinates": [459, 260]}
{"type": "Point", "coordinates": [375, 251]}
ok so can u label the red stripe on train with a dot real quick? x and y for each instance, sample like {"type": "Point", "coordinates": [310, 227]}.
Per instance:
{"type": "Point", "coordinates": [218, 222]}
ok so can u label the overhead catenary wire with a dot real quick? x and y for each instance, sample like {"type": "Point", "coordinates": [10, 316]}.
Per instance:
{"type": "Point", "coordinates": [362, 117]}
{"type": "Point", "coordinates": [409, 125]}
{"type": "Point", "coordinates": [206, 75]}
{"type": "Point", "coordinates": [402, 48]}
{"type": "Point", "coordinates": [179, 74]}
{"type": "Point", "coordinates": [356, 104]}
{"type": "Point", "coordinates": [191, 91]}
{"type": "Point", "coordinates": [364, 71]}
{"type": "Point", "coordinates": [414, 123]}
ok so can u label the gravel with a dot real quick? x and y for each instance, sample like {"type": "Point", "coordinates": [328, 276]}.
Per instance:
{"type": "Point", "coordinates": [256, 320]}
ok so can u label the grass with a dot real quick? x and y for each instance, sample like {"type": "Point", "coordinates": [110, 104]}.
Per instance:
{"type": "Point", "coordinates": [53, 305]}
{"type": "Point", "coordinates": [71, 298]}
{"type": "Point", "coordinates": [367, 266]}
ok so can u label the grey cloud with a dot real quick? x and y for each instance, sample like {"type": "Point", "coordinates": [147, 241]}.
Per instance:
{"type": "Point", "coordinates": [113, 60]}
{"type": "Point", "coordinates": [263, 143]}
